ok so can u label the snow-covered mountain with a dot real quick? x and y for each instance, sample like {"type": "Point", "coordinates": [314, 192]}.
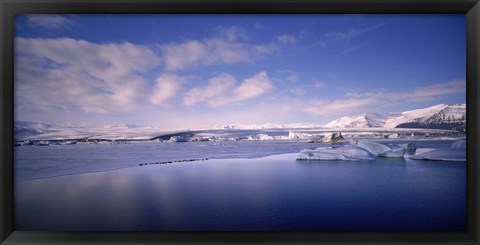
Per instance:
{"type": "Point", "coordinates": [437, 117]}
{"type": "Point", "coordinates": [366, 120]}
{"type": "Point", "coordinates": [440, 116]}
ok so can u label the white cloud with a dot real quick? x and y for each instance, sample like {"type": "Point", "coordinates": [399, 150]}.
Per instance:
{"type": "Point", "coordinates": [337, 107]}
{"type": "Point", "coordinates": [223, 90]}
{"type": "Point", "coordinates": [49, 21]}
{"type": "Point", "coordinates": [213, 93]}
{"type": "Point", "coordinates": [71, 74]}
{"type": "Point", "coordinates": [253, 87]}
{"type": "Point", "coordinates": [166, 87]}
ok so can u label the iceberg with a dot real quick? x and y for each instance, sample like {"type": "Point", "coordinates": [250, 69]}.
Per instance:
{"type": "Point", "coordinates": [334, 138]}
{"type": "Point", "coordinates": [410, 148]}
{"type": "Point", "coordinates": [382, 150]}
{"type": "Point", "coordinates": [393, 136]}
{"type": "Point", "coordinates": [448, 154]}
{"type": "Point", "coordinates": [260, 137]}
{"type": "Point", "coordinates": [298, 135]}
{"type": "Point", "coordinates": [456, 153]}
{"type": "Point", "coordinates": [347, 152]}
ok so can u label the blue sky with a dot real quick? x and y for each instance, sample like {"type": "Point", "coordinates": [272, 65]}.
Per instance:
{"type": "Point", "coordinates": [199, 70]}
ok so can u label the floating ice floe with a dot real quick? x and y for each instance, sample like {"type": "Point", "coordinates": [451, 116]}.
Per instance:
{"type": "Point", "coordinates": [361, 150]}
{"type": "Point", "coordinates": [448, 154]}
{"type": "Point", "coordinates": [347, 152]}
{"type": "Point", "coordinates": [456, 153]}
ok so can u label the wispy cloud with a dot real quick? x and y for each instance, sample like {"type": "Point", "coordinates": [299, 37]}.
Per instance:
{"type": "Point", "coordinates": [419, 94]}
{"type": "Point", "coordinates": [223, 90]}
{"type": "Point", "coordinates": [349, 34]}
{"type": "Point", "coordinates": [78, 75]}
{"type": "Point", "coordinates": [336, 107]}
{"type": "Point", "coordinates": [343, 36]}
{"type": "Point", "coordinates": [355, 102]}
{"type": "Point", "coordinates": [49, 21]}
{"type": "Point", "coordinates": [286, 39]}
{"type": "Point", "coordinates": [228, 47]}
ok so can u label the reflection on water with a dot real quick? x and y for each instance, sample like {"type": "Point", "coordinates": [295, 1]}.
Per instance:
{"type": "Point", "coordinates": [271, 193]}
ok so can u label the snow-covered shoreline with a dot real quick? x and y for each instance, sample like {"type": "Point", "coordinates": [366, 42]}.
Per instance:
{"type": "Point", "coordinates": [312, 134]}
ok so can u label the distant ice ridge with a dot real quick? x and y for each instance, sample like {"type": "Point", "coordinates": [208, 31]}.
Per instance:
{"type": "Point", "coordinates": [266, 126]}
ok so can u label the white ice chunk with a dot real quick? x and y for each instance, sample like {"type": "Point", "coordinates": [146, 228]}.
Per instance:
{"type": "Point", "coordinates": [260, 137]}
{"type": "Point", "coordinates": [298, 135]}
{"type": "Point", "coordinates": [393, 136]}
{"type": "Point", "coordinates": [334, 138]}
{"type": "Point", "coordinates": [347, 152]}
{"type": "Point", "coordinates": [177, 139]}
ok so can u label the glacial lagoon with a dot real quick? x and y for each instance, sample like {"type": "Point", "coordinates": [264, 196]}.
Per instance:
{"type": "Point", "coordinates": [237, 186]}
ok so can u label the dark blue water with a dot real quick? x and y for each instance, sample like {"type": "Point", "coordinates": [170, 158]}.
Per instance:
{"type": "Point", "coordinates": [275, 193]}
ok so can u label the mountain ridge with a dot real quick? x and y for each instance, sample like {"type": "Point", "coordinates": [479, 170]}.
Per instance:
{"type": "Point", "coordinates": [441, 116]}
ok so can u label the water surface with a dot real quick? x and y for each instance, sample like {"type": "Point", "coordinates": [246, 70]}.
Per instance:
{"type": "Point", "coordinates": [274, 193]}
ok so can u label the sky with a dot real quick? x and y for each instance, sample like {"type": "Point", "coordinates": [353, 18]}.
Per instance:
{"type": "Point", "coordinates": [198, 70]}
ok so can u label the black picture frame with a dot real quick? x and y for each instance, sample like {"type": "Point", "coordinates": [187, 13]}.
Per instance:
{"type": "Point", "coordinates": [471, 8]}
